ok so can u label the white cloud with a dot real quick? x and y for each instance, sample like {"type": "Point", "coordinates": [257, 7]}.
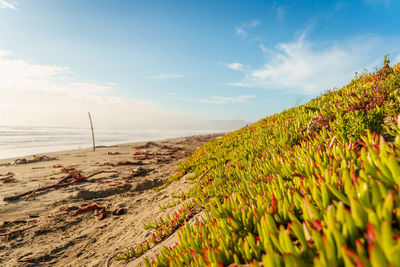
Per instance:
{"type": "Point", "coordinates": [226, 100]}
{"type": "Point", "coordinates": [165, 76]}
{"type": "Point", "coordinates": [171, 93]}
{"type": "Point", "coordinates": [264, 48]}
{"type": "Point", "coordinates": [48, 95]}
{"type": "Point", "coordinates": [22, 75]}
{"type": "Point", "coordinates": [237, 84]}
{"type": "Point", "coordinates": [241, 32]}
{"type": "Point", "coordinates": [245, 26]}
{"type": "Point", "coordinates": [7, 4]}
{"type": "Point", "coordinates": [234, 66]}
{"type": "Point", "coordinates": [303, 67]}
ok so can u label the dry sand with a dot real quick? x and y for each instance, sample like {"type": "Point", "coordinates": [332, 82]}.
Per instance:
{"type": "Point", "coordinates": [41, 229]}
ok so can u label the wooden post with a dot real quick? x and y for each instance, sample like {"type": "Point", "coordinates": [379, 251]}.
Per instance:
{"type": "Point", "coordinates": [91, 125]}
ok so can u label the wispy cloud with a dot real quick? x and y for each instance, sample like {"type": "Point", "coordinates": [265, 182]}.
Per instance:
{"type": "Point", "coordinates": [242, 29]}
{"type": "Point", "coordinates": [165, 76]}
{"type": "Point", "coordinates": [264, 48]}
{"type": "Point", "coordinates": [234, 66]}
{"type": "Point", "coordinates": [226, 99]}
{"type": "Point", "coordinates": [238, 84]}
{"type": "Point", "coordinates": [22, 75]}
{"type": "Point", "coordinates": [305, 67]}
{"type": "Point", "coordinates": [8, 4]}
{"type": "Point", "coordinates": [35, 94]}
{"type": "Point", "coordinates": [334, 10]}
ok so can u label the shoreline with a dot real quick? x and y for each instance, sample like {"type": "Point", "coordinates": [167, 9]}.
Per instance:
{"type": "Point", "coordinates": [111, 145]}
{"type": "Point", "coordinates": [56, 147]}
{"type": "Point", "coordinates": [104, 198]}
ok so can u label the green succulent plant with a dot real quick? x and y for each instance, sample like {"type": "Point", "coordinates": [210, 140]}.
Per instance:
{"type": "Point", "coordinates": [315, 185]}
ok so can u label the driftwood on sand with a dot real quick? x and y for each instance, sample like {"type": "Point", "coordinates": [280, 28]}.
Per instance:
{"type": "Point", "coordinates": [62, 183]}
{"type": "Point", "coordinates": [34, 191]}
{"type": "Point", "coordinates": [11, 198]}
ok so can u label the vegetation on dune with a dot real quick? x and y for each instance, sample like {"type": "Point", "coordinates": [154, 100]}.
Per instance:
{"type": "Point", "coordinates": [314, 185]}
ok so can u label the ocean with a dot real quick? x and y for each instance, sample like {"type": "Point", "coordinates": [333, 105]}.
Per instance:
{"type": "Point", "coordinates": [20, 141]}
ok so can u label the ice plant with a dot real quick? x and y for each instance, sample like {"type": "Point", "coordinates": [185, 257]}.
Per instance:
{"type": "Point", "coordinates": [314, 185]}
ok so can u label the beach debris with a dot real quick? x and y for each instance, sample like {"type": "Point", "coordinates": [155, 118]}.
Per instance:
{"type": "Point", "coordinates": [139, 172]}
{"type": "Point", "coordinates": [148, 145]}
{"type": "Point", "coordinates": [34, 159]}
{"type": "Point", "coordinates": [34, 191]}
{"type": "Point", "coordinates": [25, 161]}
{"type": "Point", "coordinates": [163, 160]}
{"type": "Point", "coordinates": [66, 210]}
{"type": "Point", "coordinates": [20, 161]}
{"type": "Point", "coordinates": [99, 211]}
{"type": "Point", "coordinates": [99, 172]}
{"type": "Point", "coordinates": [118, 188]}
{"type": "Point", "coordinates": [40, 189]}
{"type": "Point", "coordinates": [68, 169]}
{"type": "Point", "coordinates": [119, 211]}
{"type": "Point", "coordinates": [123, 163]}
{"type": "Point", "coordinates": [113, 153]}
{"type": "Point", "coordinates": [143, 157]}
{"type": "Point", "coordinates": [76, 176]}
{"type": "Point", "coordinates": [7, 178]}
{"type": "Point", "coordinates": [116, 184]}
{"type": "Point", "coordinates": [42, 158]}
{"type": "Point", "coordinates": [72, 178]}
{"type": "Point", "coordinates": [57, 166]}
{"type": "Point", "coordinates": [74, 210]}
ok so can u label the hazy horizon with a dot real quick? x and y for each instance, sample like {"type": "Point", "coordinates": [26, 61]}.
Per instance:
{"type": "Point", "coordinates": [211, 125]}
{"type": "Point", "coordinates": [22, 141]}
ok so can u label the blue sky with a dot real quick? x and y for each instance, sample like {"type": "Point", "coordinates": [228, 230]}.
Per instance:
{"type": "Point", "coordinates": [174, 63]}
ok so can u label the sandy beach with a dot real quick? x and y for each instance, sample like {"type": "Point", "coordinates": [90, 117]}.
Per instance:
{"type": "Point", "coordinates": [77, 208]}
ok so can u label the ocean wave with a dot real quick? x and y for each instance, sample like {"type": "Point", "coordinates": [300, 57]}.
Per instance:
{"type": "Point", "coordinates": [17, 141]}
